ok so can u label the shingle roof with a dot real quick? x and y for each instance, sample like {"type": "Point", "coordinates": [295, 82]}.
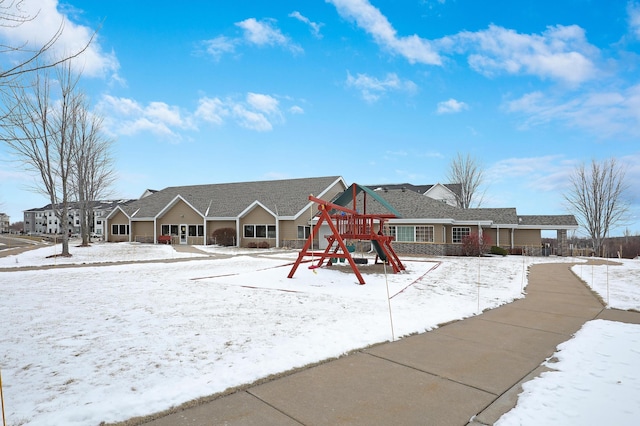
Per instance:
{"type": "Point", "coordinates": [283, 197]}
{"type": "Point", "coordinates": [104, 205]}
{"type": "Point", "coordinates": [547, 220]}
{"type": "Point", "coordinates": [456, 188]}
{"type": "Point", "coordinates": [412, 205]}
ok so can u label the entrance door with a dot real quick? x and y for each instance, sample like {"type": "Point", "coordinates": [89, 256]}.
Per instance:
{"type": "Point", "coordinates": [183, 234]}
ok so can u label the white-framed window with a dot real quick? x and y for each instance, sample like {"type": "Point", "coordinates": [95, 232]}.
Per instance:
{"type": "Point", "coordinates": [405, 234]}
{"type": "Point", "coordinates": [196, 230]}
{"type": "Point", "coordinates": [119, 229]}
{"type": "Point", "coordinates": [459, 232]}
{"type": "Point", "coordinates": [303, 232]}
{"type": "Point", "coordinates": [169, 229]}
{"type": "Point", "coordinates": [424, 234]}
{"type": "Point", "coordinates": [259, 231]}
{"type": "Point", "coordinates": [411, 234]}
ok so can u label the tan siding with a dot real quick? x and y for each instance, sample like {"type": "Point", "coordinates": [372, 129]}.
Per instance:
{"type": "Point", "coordinates": [289, 228]}
{"type": "Point", "coordinates": [180, 213]}
{"type": "Point", "coordinates": [449, 230]}
{"type": "Point", "coordinates": [258, 216]}
{"type": "Point", "coordinates": [491, 233]}
{"type": "Point", "coordinates": [142, 231]}
{"type": "Point", "coordinates": [437, 233]}
{"type": "Point", "coordinates": [118, 219]}
{"type": "Point", "coordinates": [505, 237]}
{"type": "Point", "coordinates": [212, 225]}
{"type": "Point", "coordinates": [528, 237]}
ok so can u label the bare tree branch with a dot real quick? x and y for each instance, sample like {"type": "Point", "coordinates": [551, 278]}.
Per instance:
{"type": "Point", "coordinates": [41, 129]}
{"type": "Point", "coordinates": [466, 171]}
{"type": "Point", "coordinates": [11, 16]}
{"type": "Point", "coordinates": [596, 195]}
{"type": "Point", "coordinates": [93, 173]}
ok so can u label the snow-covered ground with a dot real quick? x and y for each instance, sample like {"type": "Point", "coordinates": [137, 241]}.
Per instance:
{"type": "Point", "coordinates": [106, 343]}
{"type": "Point", "coordinates": [596, 381]}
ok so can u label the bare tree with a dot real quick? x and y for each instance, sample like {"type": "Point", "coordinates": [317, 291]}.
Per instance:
{"type": "Point", "coordinates": [33, 58]}
{"type": "Point", "coordinates": [468, 173]}
{"type": "Point", "coordinates": [41, 131]}
{"type": "Point", "coordinates": [596, 195]}
{"type": "Point", "coordinates": [93, 171]}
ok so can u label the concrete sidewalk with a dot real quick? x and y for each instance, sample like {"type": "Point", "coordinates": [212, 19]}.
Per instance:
{"type": "Point", "coordinates": [466, 372]}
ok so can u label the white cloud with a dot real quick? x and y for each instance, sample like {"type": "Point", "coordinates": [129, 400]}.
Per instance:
{"type": "Point", "coordinates": [633, 9]}
{"type": "Point", "coordinates": [451, 106]}
{"type": "Point", "coordinates": [263, 103]}
{"type": "Point", "coordinates": [370, 19]}
{"type": "Point", "coordinates": [315, 27]}
{"type": "Point", "coordinates": [372, 88]}
{"type": "Point", "coordinates": [125, 116]}
{"type": "Point", "coordinates": [547, 173]}
{"type": "Point", "coordinates": [251, 119]}
{"type": "Point", "coordinates": [603, 113]}
{"type": "Point", "coordinates": [264, 33]}
{"type": "Point", "coordinates": [257, 33]}
{"type": "Point", "coordinates": [560, 53]}
{"type": "Point", "coordinates": [47, 19]}
{"type": "Point", "coordinates": [212, 110]}
{"type": "Point", "coordinates": [220, 45]}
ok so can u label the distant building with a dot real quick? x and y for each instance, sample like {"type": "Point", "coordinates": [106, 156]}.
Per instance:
{"type": "Point", "coordinates": [447, 193]}
{"type": "Point", "coordinates": [4, 223]}
{"type": "Point", "coordinates": [43, 220]}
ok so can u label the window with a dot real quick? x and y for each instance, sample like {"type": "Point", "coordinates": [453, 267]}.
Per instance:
{"type": "Point", "coordinates": [196, 230]}
{"type": "Point", "coordinates": [259, 231]}
{"type": "Point", "coordinates": [304, 232]}
{"type": "Point", "coordinates": [403, 234]}
{"type": "Point", "coordinates": [120, 229]}
{"type": "Point", "coordinates": [424, 234]}
{"type": "Point", "coordinates": [192, 230]}
{"type": "Point", "coordinates": [458, 233]}
{"type": "Point", "coordinates": [99, 222]}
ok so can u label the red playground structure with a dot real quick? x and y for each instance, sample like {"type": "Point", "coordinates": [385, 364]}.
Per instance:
{"type": "Point", "coordinates": [348, 224]}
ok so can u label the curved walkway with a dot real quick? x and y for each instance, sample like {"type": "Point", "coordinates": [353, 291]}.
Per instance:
{"type": "Point", "coordinates": [469, 369]}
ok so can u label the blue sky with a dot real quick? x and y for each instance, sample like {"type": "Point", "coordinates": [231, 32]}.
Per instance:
{"type": "Point", "coordinates": [374, 91]}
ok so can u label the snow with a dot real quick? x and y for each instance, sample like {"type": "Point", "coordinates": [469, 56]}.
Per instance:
{"type": "Point", "coordinates": [617, 282]}
{"type": "Point", "coordinates": [110, 341]}
{"type": "Point", "coordinates": [595, 378]}
{"type": "Point", "coordinates": [595, 382]}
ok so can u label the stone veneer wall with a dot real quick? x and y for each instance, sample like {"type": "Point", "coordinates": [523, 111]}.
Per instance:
{"type": "Point", "coordinates": [421, 249]}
